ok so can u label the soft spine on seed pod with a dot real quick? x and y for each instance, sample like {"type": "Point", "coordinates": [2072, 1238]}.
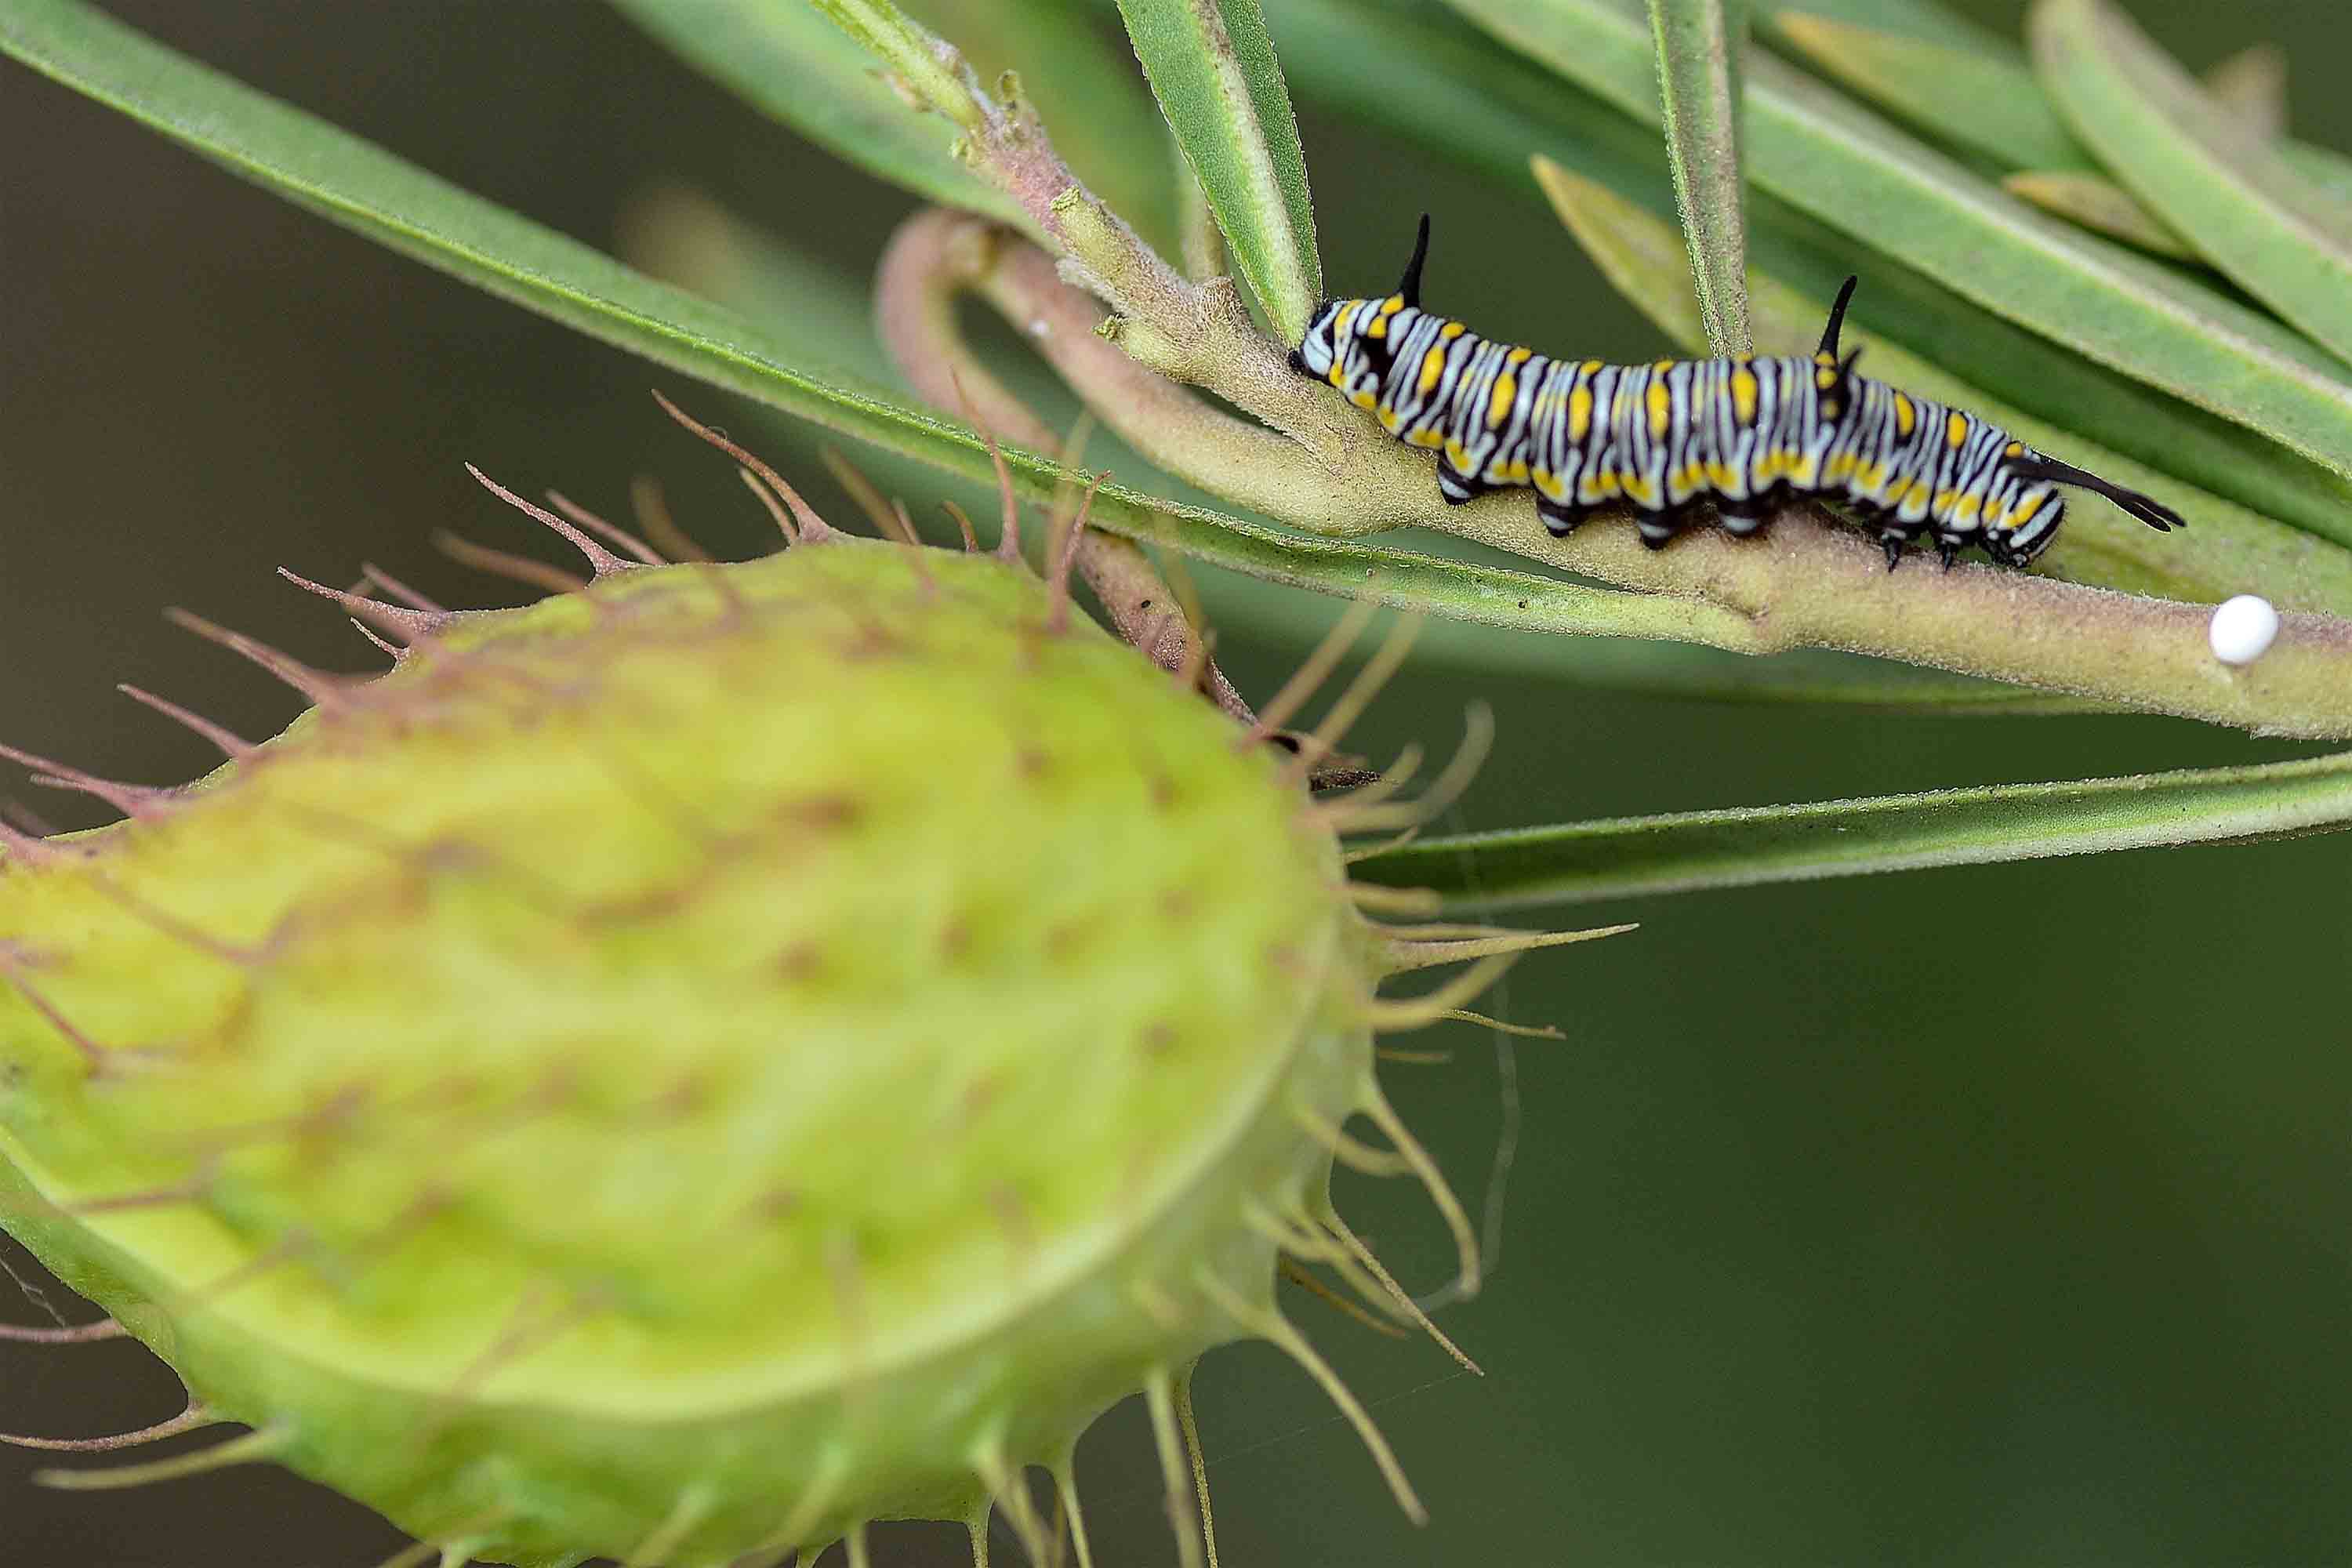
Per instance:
{"type": "Point", "coordinates": [717, 1057]}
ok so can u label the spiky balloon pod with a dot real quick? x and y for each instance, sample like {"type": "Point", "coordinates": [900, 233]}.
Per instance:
{"type": "Point", "coordinates": [687, 1068]}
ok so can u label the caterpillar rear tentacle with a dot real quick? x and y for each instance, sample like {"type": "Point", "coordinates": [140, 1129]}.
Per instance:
{"type": "Point", "coordinates": [1671, 436]}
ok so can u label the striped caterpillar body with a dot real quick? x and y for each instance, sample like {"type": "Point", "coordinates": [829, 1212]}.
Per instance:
{"type": "Point", "coordinates": [1667, 436]}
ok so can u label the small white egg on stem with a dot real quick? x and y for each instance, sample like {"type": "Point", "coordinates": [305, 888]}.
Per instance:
{"type": "Point", "coordinates": [2242, 628]}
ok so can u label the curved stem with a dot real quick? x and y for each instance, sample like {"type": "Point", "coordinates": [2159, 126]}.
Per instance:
{"type": "Point", "coordinates": [931, 259]}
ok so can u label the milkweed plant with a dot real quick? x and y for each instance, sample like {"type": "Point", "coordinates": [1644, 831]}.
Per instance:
{"type": "Point", "coordinates": [722, 1057]}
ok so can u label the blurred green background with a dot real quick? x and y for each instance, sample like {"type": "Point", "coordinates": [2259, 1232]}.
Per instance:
{"type": "Point", "coordinates": [1983, 1215]}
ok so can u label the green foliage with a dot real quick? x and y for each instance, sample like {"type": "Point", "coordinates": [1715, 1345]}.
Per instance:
{"type": "Point", "coordinates": [1634, 250]}
{"type": "Point", "coordinates": [1578, 862]}
{"type": "Point", "coordinates": [2235, 198]}
{"type": "Point", "coordinates": [1825, 156]}
{"type": "Point", "coordinates": [1213, 67]}
{"type": "Point", "coordinates": [1975, 194]}
{"type": "Point", "coordinates": [1215, 71]}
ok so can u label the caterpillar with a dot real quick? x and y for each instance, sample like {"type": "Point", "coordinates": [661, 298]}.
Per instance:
{"type": "Point", "coordinates": [1673, 435]}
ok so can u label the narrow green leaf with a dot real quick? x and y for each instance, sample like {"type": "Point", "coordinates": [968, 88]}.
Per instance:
{"type": "Point", "coordinates": [1405, 70]}
{"type": "Point", "coordinates": [1855, 172]}
{"type": "Point", "coordinates": [2229, 550]}
{"type": "Point", "coordinates": [1211, 65]}
{"type": "Point", "coordinates": [1923, 20]}
{"type": "Point", "coordinates": [785, 57]}
{"type": "Point", "coordinates": [1979, 97]}
{"type": "Point", "coordinates": [2201, 168]}
{"type": "Point", "coordinates": [1629, 857]}
{"type": "Point", "coordinates": [2098, 204]}
{"type": "Point", "coordinates": [1984, 101]}
{"type": "Point", "coordinates": [350, 181]}
{"type": "Point", "coordinates": [1698, 92]}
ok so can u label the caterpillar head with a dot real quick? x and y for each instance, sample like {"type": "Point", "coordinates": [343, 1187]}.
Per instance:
{"type": "Point", "coordinates": [1349, 342]}
{"type": "Point", "coordinates": [1346, 347]}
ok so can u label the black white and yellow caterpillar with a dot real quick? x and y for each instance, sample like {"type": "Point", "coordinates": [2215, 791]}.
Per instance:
{"type": "Point", "coordinates": [1668, 436]}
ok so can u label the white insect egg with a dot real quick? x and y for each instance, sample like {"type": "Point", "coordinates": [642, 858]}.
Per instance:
{"type": "Point", "coordinates": [2242, 628]}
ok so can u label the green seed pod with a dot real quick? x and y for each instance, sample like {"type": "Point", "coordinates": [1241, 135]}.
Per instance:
{"type": "Point", "coordinates": [699, 1064]}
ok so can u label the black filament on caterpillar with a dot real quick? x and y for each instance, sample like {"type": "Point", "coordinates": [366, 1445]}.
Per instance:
{"type": "Point", "coordinates": [1669, 436]}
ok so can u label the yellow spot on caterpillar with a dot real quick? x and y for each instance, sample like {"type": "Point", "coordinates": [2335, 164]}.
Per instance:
{"type": "Point", "coordinates": [1392, 305]}
{"type": "Point", "coordinates": [1661, 408]}
{"type": "Point", "coordinates": [1825, 379]}
{"type": "Point", "coordinates": [1457, 455]}
{"type": "Point", "coordinates": [2025, 513]}
{"type": "Point", "coordinates": [1663, 366]}
{"type": "Point", "coordinates": [1378, 327]}
{"type": "Point", "coordinates": [2014, 449]}
{"type": "Point", "coordinates": [1519, 356]}
{"type": "Point", "coordinates": [1499, 408]}
{"type": "Point", "coordinates": [1969, 505]}
{"type": "Point", "coordinates": [1432, 365]}
{"type": "Point", "coordinates": [1579, 412]}
{"type": "Point", "coordinates": [1743, 394]}
{"type": "Point", "coordinates": [1956, 429]}
{"type": "Point", "coordinates": [1451, 331]}
{"type": "Point", "coordinates": [1944, 500]}
{"type": "Point", "coordinates": [1424, 436]}
{"type": "Point", "coordinates": [1339, 374]}
{"type": "Point", "coordinates": [1519, 473]}
{"type": "Point", "coordinates": [1918, 496]}
{"type": "Point", "coordinates": [1720, 475]}
{"type": "Point", "coordinates": [1907, 417]}
{"type": "Point", "coordinates": [1641, 490]}
{"type": "Point", "coordinates": [1591, 367]}
{"type": "Point", "coordinates": [1842, 466]}
{"type": "Point", "coordinates": [1362, 399]}
{"type": "Point", "coordinates": [1549, 482]}
{"type": "Point", "coordinates": [1389, 419]}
